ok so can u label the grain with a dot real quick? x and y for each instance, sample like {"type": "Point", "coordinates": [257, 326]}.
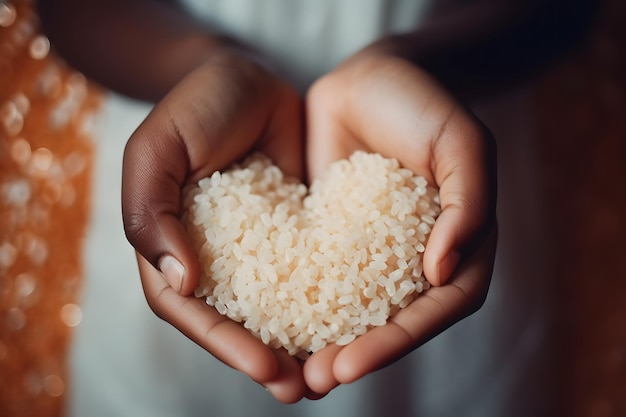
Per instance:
{"type": "Point", "coordinates": [303, 268]}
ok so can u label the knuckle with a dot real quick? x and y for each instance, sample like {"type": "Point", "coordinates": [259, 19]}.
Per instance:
{"type": "Point", "coordinates": [137, 229]}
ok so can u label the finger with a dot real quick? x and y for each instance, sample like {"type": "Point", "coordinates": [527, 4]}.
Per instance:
{"type": "Point", "coordinates": [318, 369]}
{"type": "Point", "coordinates": [187, 136]}
{"type": "Point", "coordinates": [288, 385]}
{"type": "Point", "coordinates": [159, 159]}
{"type": "Point", "coordinates": [432, 312]}
{"type": "Point", "coordinates": [464, 166]}
{"type": "Point", "coordinates": [154, 169]}
{"type": "Point", "coordinates": [223, 338]}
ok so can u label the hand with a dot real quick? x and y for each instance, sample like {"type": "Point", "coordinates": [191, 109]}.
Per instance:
{"type": "Point", "coordinates": [225, 108]}
{"type": "Point", "coordinates": [383, 104]}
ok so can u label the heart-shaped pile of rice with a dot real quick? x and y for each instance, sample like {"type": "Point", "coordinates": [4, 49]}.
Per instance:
{"type": "Point", "coordinates": [299, 269]}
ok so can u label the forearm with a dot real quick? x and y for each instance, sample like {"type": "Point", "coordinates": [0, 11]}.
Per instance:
{"type": "Point", "coordinates": [140, 48]}
{"type": "Point", "coordinates": [484, 44]}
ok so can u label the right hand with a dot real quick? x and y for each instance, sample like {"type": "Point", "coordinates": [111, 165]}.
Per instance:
{"type": "Point", "coordinates": [216, 114]}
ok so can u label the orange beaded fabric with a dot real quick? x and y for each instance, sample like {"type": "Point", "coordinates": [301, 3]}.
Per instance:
{"type": "Point", "coordinates": [46, 158]}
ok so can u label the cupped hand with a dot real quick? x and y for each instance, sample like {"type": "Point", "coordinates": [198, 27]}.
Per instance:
{"type": "Point", "coordinates": [380, 103]}
{"type": "Point", "coordinates": [224, 109]}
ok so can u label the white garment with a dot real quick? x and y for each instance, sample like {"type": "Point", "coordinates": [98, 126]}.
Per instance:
{"type": "Point", "coordinates": [126, 362]}
{"type": "Point", "coordinates": [306, 38]}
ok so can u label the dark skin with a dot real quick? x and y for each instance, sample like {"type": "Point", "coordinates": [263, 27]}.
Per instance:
{"type": "Point", "coordinates": [217, 100]}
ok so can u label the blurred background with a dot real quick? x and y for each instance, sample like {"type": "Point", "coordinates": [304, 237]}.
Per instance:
{"type": "Point", "coordinates": [554, 321]}
{"type": "Point", "coordinates": [576, 162]}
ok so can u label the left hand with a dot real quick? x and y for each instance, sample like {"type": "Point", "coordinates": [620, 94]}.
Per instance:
{"type": "Point", "coordinates": [380, 103]}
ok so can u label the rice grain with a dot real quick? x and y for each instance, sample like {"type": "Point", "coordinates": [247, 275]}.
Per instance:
{"type": "Point", "coordinates": [303, 268]}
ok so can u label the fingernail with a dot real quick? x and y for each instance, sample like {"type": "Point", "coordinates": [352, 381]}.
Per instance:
{"type": "Point", "coordinates": [173, 271]}
{"type": "Point", "coordinates": [447, 266]}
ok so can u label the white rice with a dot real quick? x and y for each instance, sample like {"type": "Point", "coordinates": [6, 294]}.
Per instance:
{"type": "Point", "coordinates": [302, 270]}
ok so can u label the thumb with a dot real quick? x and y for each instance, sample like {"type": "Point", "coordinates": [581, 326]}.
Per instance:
{"type": "Point", "coordinates": [155, 168]}
{"type": "Point", "coordinates": [464, 167]}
